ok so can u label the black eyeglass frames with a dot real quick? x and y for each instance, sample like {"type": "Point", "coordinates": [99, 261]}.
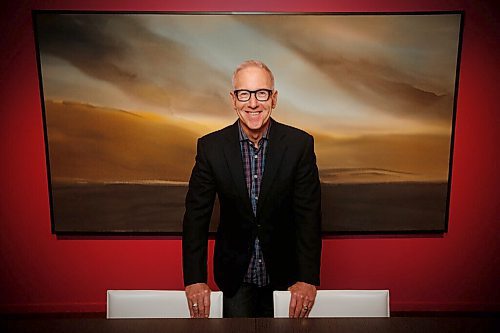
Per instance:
{"type": "Point", "coordinates": [244, 95]}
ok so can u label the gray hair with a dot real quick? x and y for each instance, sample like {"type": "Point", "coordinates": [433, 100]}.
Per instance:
{"type": "Point", "coordinates": [253, 63]}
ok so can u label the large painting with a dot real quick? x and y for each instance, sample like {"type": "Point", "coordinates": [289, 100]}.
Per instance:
{"type": "Point", "coordinates": [126, 95]}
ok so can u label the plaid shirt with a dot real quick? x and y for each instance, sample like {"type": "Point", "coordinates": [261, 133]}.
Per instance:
{"type": "Point", "coordinates": [253, 165]}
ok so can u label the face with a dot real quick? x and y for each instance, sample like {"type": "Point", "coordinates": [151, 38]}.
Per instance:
{"type": "Point", "coordinates": [254, 114]}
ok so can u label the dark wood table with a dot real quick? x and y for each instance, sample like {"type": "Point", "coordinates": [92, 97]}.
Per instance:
{"type": "Point", "coordinates": [385, 325]}
{"type": "Point", "coordinates": [250, 325]}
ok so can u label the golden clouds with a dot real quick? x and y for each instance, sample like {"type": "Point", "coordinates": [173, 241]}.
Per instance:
{"type": "Point", "coordinates": [383, 158]}
{"type": "Point", "coordinates": [100, 144]}
{"type": "Point", "coordinates": [366, 77]}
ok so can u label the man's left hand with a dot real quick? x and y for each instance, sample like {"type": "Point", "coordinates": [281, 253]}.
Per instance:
{"type": "Point", "coordinates": [301, 300]}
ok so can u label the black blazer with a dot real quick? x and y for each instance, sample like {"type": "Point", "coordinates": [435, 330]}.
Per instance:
{"type": "Point", "coordinates": [288, 218]}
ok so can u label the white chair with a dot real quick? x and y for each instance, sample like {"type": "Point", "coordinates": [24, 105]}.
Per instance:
{"type": "Point", "coordinates": [339, 303]}
{"type": "Point", "coordinates": [155, 304]}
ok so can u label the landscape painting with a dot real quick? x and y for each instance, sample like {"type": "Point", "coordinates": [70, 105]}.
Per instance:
{"type": "Point", "coordinates": [126, 95]}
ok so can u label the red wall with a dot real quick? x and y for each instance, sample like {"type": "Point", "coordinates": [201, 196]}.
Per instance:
{"type": "Point", "coordinates": [459, 271]}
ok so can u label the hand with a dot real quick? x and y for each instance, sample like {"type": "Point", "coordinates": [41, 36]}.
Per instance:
{"type": "Point", "coordinates": [301, 300]}
{"type": "Point", "coordinates": [198, 297]}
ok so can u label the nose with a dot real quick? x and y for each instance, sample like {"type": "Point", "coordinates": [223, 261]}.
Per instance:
{"type": "Point", "coordinates": [253, 102]}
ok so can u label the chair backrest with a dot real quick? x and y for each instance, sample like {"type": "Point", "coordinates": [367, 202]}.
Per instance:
{"type": "Point", "coordinates": [155, 304]}
{"type": "Point", "coordinates": [339, 303]}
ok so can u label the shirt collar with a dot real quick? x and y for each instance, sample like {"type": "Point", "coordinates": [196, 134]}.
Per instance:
{"type": "Point", "coordinates": [243, 136]}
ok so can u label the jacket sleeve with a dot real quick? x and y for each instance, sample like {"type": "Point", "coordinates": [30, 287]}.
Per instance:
{"type": "Point", "coordinates": [307, 212]}
{"type": "Point", "coordinates": [199, 205]}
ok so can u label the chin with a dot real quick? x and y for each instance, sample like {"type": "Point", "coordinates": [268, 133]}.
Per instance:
{"type": "Point", "coordinates": [255, 125]}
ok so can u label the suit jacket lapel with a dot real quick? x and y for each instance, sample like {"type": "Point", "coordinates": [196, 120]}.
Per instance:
{"type": "Point", "coordinates": [274, 155]}
{"type": "Point", "coordinates": [232, 152]}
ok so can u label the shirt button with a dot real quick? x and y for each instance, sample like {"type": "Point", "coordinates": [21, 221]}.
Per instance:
{"type": "Point", "coordinates": [260, 260]}
{"type": "Point", "coordinates": [255, 156]}
{"type": "Point", "coordinates": [254, 176]}
{"type": "Point", "coordinates": [256, 198]}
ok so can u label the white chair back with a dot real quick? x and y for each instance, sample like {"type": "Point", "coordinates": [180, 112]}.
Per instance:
{"type": "Point", "coordinates": [155, 304]}
{"type": "Point", "coordinates": [339, 303]}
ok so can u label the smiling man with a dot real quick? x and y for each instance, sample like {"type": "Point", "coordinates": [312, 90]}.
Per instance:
{"type": "Point", "coordinates": [265, 176]}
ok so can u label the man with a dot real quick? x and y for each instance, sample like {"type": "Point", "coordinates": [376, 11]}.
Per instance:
{"type": "Point", "coordinates": [266, 179]}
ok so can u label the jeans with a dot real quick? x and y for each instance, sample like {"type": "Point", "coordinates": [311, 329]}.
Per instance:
{"type": "Point", "coordinates": [249, 301]}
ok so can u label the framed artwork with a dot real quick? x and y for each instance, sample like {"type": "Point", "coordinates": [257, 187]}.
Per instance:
{"type": "Point", "coordinates": [125, 95]}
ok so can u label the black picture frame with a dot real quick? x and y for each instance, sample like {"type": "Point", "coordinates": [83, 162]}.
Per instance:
{"type": "Point", "coordinates": [356, 198]}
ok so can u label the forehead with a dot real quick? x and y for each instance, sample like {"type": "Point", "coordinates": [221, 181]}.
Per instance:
{"type": "Point", "coordinates": [252, 78]}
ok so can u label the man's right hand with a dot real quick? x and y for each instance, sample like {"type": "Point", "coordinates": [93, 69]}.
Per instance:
{"type": "Point", "coordinates": [198, 297]}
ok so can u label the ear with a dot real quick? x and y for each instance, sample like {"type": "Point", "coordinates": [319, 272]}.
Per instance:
{"type": "Point", "coordinates": [233, 99]}
{"type": "Point", "coordinates": [274, 99]}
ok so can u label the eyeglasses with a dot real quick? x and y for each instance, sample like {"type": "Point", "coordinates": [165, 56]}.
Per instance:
{"type": "Point", "coordinates": [244, 95]}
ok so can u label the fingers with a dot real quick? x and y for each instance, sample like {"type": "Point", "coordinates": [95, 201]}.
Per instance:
{"type": "Point", "coordinates": [298, 308]}
{"type": "Point", "coordinates": [190, 307]}
{"type": "Point", "coordinates": [303, 306]}
{"type": "Point", "coordinates": [198, 297]}
{"type": "Point", "coordinates": [293, 305]}
{"type": "Point", "coordinates": [200, 308]}
{"type": "Point", "coordinates": [206, 304]}
{"type": "Point", "coordinates": [302, 296]}
{"type": "Point", "coordinates": [297, 303]}
{"type": "Point", "coordinates": [194, 309]}
{"type": "Point", "coordinates": [306, 308]}
{"type": "Point", "coordinates": [199, 305]}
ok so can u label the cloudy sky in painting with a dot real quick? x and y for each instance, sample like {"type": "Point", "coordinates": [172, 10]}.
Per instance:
{"type": "Point", "coordinates": [376, 91]}
{"type": "Point", "coordinates": [342, 75]}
